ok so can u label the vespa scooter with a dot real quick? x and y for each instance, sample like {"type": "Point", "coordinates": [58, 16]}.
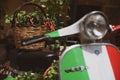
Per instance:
{"type": "Point", "coordinates": [89, 60]}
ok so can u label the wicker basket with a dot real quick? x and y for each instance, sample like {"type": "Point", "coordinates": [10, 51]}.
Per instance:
{"type": "Point", "coordinates": [23, 32]}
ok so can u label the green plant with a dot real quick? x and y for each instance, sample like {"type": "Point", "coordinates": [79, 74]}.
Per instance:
{"type": "Point", "coordinates": [57, 10]}
{"type": "Point", "coordinates": [52, 73]}
{"type": "Point", "coordinates": [26, 18]}
{"type": "Point", "coordinates": [8, 18]}
{"type": "Point", "coordinates": [28, 76]}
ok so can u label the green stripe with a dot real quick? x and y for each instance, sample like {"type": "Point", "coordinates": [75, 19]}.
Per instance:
{"type": "Point", "coordinates": [73, 58]}
{"type": "Point", "coordinates": [52, 34]}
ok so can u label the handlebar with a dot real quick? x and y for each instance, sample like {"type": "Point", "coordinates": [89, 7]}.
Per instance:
{"type": "Point", "coordinates": [92, 26]}
{"type": "Point", "coordinates": [32, 40]}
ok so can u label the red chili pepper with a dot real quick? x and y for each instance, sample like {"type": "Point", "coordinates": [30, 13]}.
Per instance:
{"type": "Point", "coordinates": [31, 19]}
{"type": "Point", "coordinates": [49, 25]}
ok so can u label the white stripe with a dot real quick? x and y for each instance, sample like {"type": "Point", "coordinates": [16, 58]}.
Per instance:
{"type": "Point", "coordinates": [99, 67]}
{"type": "Point", "coordinates": [111, 27]}
{"type": "Point", "coordinates": [72, 29]}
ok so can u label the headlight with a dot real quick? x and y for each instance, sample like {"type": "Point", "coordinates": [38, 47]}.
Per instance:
{"type": "Point", "coordinates": [95, 25]}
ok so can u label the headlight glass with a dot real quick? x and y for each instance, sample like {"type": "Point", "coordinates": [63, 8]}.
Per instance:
{"type": "Point", "coordinates": [95, 26]}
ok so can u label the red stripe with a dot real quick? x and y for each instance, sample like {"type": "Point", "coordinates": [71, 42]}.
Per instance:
{"type": "Point", "coordinates": [115, 27]}
{"type": "Point", "coordinates": [114, 56]}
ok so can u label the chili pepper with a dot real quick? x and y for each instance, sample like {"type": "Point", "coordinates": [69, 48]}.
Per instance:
{"type": "Point", "coordinates": [31, 21]}
{"type": "Point", "coordinates": [49, 25]}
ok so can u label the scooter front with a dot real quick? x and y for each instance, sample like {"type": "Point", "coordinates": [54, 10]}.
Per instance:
{"type": "Point", "coordinates": [95, 61]}
{"type": "Point", "coordinates": [89, 60]}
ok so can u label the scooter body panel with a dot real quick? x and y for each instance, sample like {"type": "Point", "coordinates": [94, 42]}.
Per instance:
{"type": "Point", "coordinates": [99, 61]}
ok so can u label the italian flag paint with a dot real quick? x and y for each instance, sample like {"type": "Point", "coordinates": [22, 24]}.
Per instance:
{"type": "Point", "coordinates": [114, 27]}
{"type": "Point", "coordinates": [102, 61]}
{"type": "Point", "coordinates": [69, 30]}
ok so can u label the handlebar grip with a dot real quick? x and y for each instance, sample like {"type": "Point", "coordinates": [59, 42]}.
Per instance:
{"type": "Point", "coordinates": [32, 40]}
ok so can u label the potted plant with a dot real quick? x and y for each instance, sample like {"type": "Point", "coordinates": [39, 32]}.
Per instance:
{"type": "Point", "coordinates": [57, 13]}
{"type": "Point", "coordinates": [26, 19]}
{"type": "Point", "coordinates": [29, 24]}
